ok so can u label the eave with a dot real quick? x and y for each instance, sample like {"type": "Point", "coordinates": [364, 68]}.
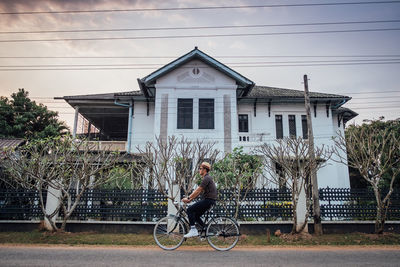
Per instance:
{"type": "Point", "coordinates": [147, 84]}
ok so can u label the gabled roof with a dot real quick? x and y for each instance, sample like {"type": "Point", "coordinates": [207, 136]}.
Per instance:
{"type": "Point", "coordinates": [103, 97]}
{"type": "Point", "coordinates": [268, 94]}
{"type": "Point", "coordinates": [90, 97]}
{"type": "Point", "coordinates": [244, 84]}
{"type": "Point", "coordinates": [274, 92]}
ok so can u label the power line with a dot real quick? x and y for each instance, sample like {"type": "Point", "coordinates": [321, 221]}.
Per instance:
{"type": "Point", "coordinates": [168, 57]}
{"type": "Point", "coordinates": [375, 92]}
{"type": "Point", "coordinates": [230, 63]}
{"type": "Point", "coordinates": [242, 66]}
{"type": "Point", "coordinates": [174, 107]}
{"type": "Point", "coordinates": [202, 27]}
{"type": "Point", "coordinates": [200, 8]}
{"type": "Point", "coordinates": [198, 36]}
{"type": "Point", "coordinates": [217, 113]}
{"type": "Point", "coordinates": [220, 103]}
{"type": "Point", "coordinates": [61, 101]}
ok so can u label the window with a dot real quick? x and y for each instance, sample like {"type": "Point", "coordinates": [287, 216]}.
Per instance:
{"type": "Point", "coordinates": [185, 113]}
{"type": "Point", "coordinates": [279, 126]}
{"type": "Point", "coordinates": [304, 126]}
{"type": "Point", "coordinates": [292, 126]}
{"type": "Point", "coordinates": [243, 123]}
{"type": "Point", "coordinates": [206, 113]}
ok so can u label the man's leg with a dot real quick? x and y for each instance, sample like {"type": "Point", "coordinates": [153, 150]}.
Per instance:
{"type": "Point", "coordinates": [203, 206]}
{"type": "Point", "coordinates": [194, 212]}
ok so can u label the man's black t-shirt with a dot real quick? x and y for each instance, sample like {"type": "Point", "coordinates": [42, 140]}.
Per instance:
{"type": "Point", "coordinates": [210, 190]}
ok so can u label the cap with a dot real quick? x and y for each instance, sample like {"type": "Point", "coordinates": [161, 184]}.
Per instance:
{"type": "Point", "coordinates": [206, 165]}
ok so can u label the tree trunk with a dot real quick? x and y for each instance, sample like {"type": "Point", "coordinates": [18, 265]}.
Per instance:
{"type": "Point", "coordinates": [294, 210]}
{"type": "Point", "coordinates": [379, 220]}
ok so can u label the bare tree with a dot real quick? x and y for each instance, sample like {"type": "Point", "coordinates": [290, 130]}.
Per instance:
{"type": "Point", "coordinates": [236, 174]}
{"type": "Point", "coordinates": [287, 164]}
{"type": "Point", "coordinates": [374, 152]}
{"type": "Point", "coordinates": [63, 166]}
{"type": "Point", "coordinates": [171, 163]}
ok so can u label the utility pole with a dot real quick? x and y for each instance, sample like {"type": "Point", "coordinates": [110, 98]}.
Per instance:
{"type": "Point", "coordinates": [313, 173]}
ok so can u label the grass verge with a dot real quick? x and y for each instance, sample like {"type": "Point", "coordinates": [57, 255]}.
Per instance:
{"type": "Point", "coordinates": [92, 238]}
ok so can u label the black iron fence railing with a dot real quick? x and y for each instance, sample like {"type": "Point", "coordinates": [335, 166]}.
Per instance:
{"type": "Point", "coordinates": [121, 205]}
{"type": "Point", "coordinates": [150, 205]}
{"type": "Point", "coordinates": [20, 204]}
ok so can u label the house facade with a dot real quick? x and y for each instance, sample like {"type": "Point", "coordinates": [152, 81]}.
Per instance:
{"type": "Point", "coordinates": [198, 97]}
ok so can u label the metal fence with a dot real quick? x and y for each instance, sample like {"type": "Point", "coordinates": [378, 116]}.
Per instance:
{"type": "Point", "coordinates": [20, 204]}
{"type": "Point", "coordinates": [150, 205]}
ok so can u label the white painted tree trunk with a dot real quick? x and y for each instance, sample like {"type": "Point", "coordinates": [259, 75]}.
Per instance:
{"type": "Point", "coordinates": [175, 194]}
{"type": "Point", "coordinates": [52, 202]}
{"type": "Point", "coordinates": [301, 210]}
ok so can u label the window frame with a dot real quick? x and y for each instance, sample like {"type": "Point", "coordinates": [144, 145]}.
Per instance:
{"type": "Point", "coordinates": [304, 126]}
{"type": "Point", "coordinates": [279, 130]}
{"type": "Point", "coordinates": [206, 117]}
{"type": "Point", "coordinates": [248, 123]}
{"type": "Point", "coordinates": [292, 126]}
{"type": "Point", "coordinates": [184, 120]}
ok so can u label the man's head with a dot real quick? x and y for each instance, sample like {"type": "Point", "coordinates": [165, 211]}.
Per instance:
{"type": "Point", "coordinates": [204, 168]}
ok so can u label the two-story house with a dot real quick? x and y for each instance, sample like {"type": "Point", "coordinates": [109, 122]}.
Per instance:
{"type": "Point", "coordinates": [200, 98]}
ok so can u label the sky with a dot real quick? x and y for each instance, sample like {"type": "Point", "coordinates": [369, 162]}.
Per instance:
{"type": "Point", "coordinates": [351, 49]}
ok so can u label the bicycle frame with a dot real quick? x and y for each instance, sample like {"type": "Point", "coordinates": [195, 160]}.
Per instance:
{"type": "Point", "coordinates": [169, 231]}
{"type": "Point", "coordinates": [181, 215]}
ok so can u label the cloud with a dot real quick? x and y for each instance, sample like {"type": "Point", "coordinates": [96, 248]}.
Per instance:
{"type": "Point", "coordinates": [23, 20]}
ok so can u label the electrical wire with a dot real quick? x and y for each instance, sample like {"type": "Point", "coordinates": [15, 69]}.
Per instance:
{"type": "Point", "coordinates": [202, 27]}
{"type": "Point", "coordinates": [173, 57]}
{"type": "Point", "coordinates": [198, 36]}
{"type": "Point", "coordinates": [237, 64]}
{"type": "Point", "coordinates": [241, 66]}
{"type": "Point", "coordinates": [329, 4]}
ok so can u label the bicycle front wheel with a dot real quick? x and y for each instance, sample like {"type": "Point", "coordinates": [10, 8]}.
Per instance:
{"type": "Point", "coordinates": [168, 233]}
{"type": "Point", "coordinates": [222, 233]}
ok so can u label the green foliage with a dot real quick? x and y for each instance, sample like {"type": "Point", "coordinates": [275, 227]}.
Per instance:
{"type": "Point", "coordinates": [236, 169]}
{"type": "Point", "coordinates": [22, 118]}
{"type": "Point", "coordinates": [122, 178]}
{"type": "Point", "coordinates": [380, 129]}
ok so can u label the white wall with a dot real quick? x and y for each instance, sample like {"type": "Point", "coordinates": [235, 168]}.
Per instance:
{"type": "Point", "coordinates": [142, 125]}
{"type": "Point", "coordinates": [262, 129]}
{"type": "Point", "coordinates": [181, 83]}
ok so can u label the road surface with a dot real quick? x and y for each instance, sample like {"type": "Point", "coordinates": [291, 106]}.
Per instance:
{"type": "Point", "coordinates": [22, 255]}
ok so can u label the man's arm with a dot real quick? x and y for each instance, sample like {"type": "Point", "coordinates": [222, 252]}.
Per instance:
{"type": "Point", "coordinates": [193, 195]}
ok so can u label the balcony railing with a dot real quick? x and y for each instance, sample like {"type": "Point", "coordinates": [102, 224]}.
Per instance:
{"type": "Point", "coordinates": [254, 137]}
{"type": "Point", "coordinates": [108, 145]}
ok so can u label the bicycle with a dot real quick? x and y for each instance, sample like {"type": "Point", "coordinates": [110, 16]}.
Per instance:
{"type": "Point", "coordinates": [222, 233]}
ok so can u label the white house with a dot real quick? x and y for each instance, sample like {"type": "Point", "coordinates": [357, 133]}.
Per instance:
{"type": "Point", "coordinates": [200, 98]}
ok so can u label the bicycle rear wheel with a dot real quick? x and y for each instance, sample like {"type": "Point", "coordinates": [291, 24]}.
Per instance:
{"type": "Point", "coordinates": [168, 233]}
{"type": "Point", "coordinates": [222, 233]}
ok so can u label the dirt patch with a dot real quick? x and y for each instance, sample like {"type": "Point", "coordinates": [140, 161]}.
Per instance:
{"type": "Point", "coordinates": [296, 237]}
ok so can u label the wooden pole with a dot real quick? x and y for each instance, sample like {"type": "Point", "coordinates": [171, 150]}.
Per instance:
{"type": "Point", "coordinates": [313, 173]}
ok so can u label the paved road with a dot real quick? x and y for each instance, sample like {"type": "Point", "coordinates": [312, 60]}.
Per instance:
{"type": "Point", "coordinates": [122, 256]}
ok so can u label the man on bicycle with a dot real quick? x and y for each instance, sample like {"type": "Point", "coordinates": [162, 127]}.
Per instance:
{"type": "Point", "coordinates": [209, 190]}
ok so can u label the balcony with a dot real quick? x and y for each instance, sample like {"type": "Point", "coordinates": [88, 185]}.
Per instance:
{"type": "Point", "coordinates": [108, 145]}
